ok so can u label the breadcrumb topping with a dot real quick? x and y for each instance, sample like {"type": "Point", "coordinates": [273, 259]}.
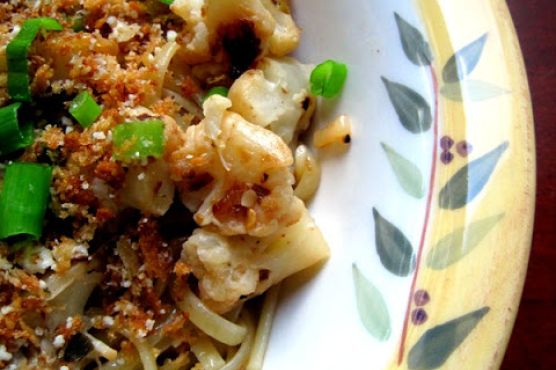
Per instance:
{"type": "Point", "coordinates": [111, 263]}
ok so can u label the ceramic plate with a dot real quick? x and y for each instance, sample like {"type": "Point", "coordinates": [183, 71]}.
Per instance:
{"type": "Point", "coordinates": [429, 214]}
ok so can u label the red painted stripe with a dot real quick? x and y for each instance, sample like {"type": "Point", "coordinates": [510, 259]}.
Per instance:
{"type": "Point", "coordinates": [427, 218]}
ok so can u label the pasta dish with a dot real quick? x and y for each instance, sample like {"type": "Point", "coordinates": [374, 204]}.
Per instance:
{"type": "Point", "coordinates": [153, 180]}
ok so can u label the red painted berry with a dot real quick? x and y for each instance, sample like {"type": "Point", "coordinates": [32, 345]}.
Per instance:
{"type": "Point", "coordinates": [464, 148]}
{"type": "Point", "coordinates": [446, 142]}
{"type": "Point", "coordinates": [421, 297]}
{"type": "Point", "coordinates": [419, 316]}
{"type": "Point", "coordinates": [446, 157]}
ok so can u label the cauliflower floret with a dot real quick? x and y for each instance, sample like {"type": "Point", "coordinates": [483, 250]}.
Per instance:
{"type": "Point", "coordinates": [36, 259]}
{"type": "Point", "coordinates": [197, 48]}
{"type": "Point", "coordinates": [224, 269]}
{"type": "Point", "coordinates": [285, 37]}
{"type": "Point", "coordinates": [209, 23]}
{"type": "Point", "coordinates": [276, 96]}
{"type": "Point", "coordinates": [148, 188]}
{"type": "Point", "coordinates": [234, 174]}
{"type": "Point", "coordinates": [233, 268]}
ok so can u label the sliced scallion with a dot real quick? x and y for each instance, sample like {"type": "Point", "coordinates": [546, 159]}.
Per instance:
{"type": "Point", "coordinates": [85, 109]}
{"type": "Point", "coordinates": [138, 140]}
{"type": "Point", "coordinates": [17, 53]}
{"type": "Point", "coordinates": [328, 78]}
{"type": "Point", "coordinates": [78, 23]}
{"type": "Point", "coordinates": [24, 200]}
{"type": "Point", "coordinates": [13, 136]}
{"type": "Point", "coordinates": [167, 2]}
{"type": "Point", "coordinates": [217, 90]}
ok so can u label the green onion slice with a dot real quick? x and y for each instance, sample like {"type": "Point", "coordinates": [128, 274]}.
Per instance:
{"type": "Point", "coordinates": [13, 136]}
{"type": "Point", "coordinates": [138, 140]}
{"type": "Point", "coordinates": [24, 199]}
{"type": "Point", "coordinates": [328, 78]}
{"type": "Point", "coordinates": [17, 53]}
{"type": "Point", "coordinates": [85, 109]}
{"type": "Point", "coordinates": [78, 23]}
{"type": "Point", "coordinates": [167, 2]}
{"type": "Point", "coordinates": [217, 90]}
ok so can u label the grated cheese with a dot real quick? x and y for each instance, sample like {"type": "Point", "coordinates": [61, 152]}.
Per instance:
{"type": "Point", "coordinates": [59, 341]}
{"type": "Point", "coordinates": [4, 354]}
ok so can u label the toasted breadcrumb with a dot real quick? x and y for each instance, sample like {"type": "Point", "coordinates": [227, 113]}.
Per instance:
{"type": "Point", "coordinates": [106, 269]}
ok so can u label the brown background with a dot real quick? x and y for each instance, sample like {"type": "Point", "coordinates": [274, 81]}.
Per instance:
{"type": "Point", "coordinates": [533, 344]}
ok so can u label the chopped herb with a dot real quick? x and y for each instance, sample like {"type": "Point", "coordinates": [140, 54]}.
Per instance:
{"type": "Point", "coordinates": [138, 140]}
{"type": "Point", "coordinates": [84, 109]}
{"type": "Point", "coordinates": [17, 53]}
{"type": "Point", "coordinates": [328, 78]}
{"type": "Point", "coordinates": [24, 200]}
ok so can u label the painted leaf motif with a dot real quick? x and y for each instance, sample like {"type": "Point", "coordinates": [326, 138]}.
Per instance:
{"type": "Point", "coordinates": [458, 244]}
{"type": "Point", "coordinates": [472, 90]}
{"type": "Point", "coordinates": [371, 306]}
{"type": "Point", "coordinates": [408, 174]}
{"type": "Point", "coordinates": [464, 61]}
{"type": "Point", "coordinates": [414, 45]}
{"type": "Point", "coordinates": [468, 182]}
{"type": "Point", "coordinates": [438, 343]}
{"type": "Point", "coordinates": [394, 249]}
{"type": "Point", "coordinates": [412, 109]}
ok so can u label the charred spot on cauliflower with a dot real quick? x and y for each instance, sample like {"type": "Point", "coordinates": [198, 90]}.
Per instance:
{"type": "Point", "coordinates": [241, 45]}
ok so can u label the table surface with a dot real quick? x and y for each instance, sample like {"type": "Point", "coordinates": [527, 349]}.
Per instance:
{"type": "Point", "coordinates": [534, 337]}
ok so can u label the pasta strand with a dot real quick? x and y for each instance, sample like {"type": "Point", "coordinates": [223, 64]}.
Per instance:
{"type": "Point", "coordinates": [211, 323]}
{"type": "Point", "coordinates": [264, 327]}
{"type": "Point", "coordinates": [102, 348]}
{"type": "Point", "coordinates": [241, 356]}
{"type": "Point", "coordinates": [178, 364]}
{"type": "Point", "coordinates": [207, 354]}
{"type": "Point", "coordinates": [162, 60]}
{"type": "Point", "coordinates": [145, 353]}
{"type": "Point", "coordinates": [189, 105]}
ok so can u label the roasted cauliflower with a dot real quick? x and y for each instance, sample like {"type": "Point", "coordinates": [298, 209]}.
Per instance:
{"type": "Point", "coordinates": [234, 268]}
{"type": "Point", "coordinates": [275, 95]}
{"type": "Point", "coordinates": [244, 30]}
{"type": "Point", "coordinates": [235, 175]}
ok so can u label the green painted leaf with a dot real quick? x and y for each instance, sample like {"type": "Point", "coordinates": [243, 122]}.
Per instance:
{"type": "Point", "coordinates": [468, 182]}
{"type": "Point", "coordinates": [438, 343]}
{"type": "Point", "coordinates": [414, 45]}
{"type": "Point", "coordinates": [412, 109]}
{"type": "Point", "coordinates": [459, 243]}
{"type": "Point", "coordinates": [408, 174]}
{"type": "Point", "coordinates": [472, 90]}
{"type": "Point", "coordinates": [371, 306]}
{"type": "Point", "coordinates": [394, 249]}
{"type": "Point", "coordinates": [464, 61]}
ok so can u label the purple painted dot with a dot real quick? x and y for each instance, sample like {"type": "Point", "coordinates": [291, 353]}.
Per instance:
{"type": "Point", "coordinates": [419, 316]}
{"type": "Point", "coordinates": [446, 157]}
{"type": "Point", "coordinates": [446, 143]}
{"type": "Point", "coordinates": [421, 297]}
{"type": "Point", "coordinates": [464, 148]}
